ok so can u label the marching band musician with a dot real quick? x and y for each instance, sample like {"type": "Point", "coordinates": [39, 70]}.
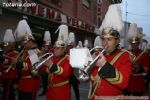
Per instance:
{"type": "Point", "coordinates": [28, 85]}
{"type": "Point", "coordinates": [47, 48]}
{"type": "Point", "coordinates": [113, 68]}
{"type": "Point", "coordinates": [137, 85]}
{"type": "Point", "coordinates": [73, 80]}
{"type": "Point", "coordinates": [60, 70]}
{"type": "Point", "coordinates": [9, 75]}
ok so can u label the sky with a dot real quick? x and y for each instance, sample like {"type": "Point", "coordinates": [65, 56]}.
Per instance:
{"type": "Point", "coordinates": [138, 12]}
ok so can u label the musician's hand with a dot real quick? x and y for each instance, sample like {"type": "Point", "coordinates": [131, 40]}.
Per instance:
{"type": "Point", "coordinates": [101, 61]}
{"type": "Point", "coordinates": [0, 73]}
{"type": "Point", "coordinates": [48, 63]}
{"type": "Point", "coordinates": [136, 67]}
{"type": "Point", "coordinates": [2, 58]}
{"type": "Point", "coordinates": [14, 62]}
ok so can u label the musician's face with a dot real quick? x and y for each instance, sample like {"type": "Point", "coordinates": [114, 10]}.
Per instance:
{"type": "Point", "coordinates": [110, 43]}
{"type": "Point", "coordinates": [59, 51]}
{"type": "Point", "coordinates": [29, 44]}
{"type": "Point", "coordinates": [134, 46]}
{"type": "Point", "coordinates": [46, 48]}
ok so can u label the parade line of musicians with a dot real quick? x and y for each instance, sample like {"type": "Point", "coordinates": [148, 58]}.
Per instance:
{"type": "Point", "coordinates": [117, 71]}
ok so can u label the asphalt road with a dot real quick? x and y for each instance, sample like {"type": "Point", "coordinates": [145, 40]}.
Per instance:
{"type": "Point", "coordinates": [84, 88]}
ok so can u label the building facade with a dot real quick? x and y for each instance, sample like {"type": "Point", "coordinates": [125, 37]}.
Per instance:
{"type": "Point", "coordinates": [82, 16]}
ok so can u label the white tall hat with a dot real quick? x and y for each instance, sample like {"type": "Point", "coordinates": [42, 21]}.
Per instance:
{"type": "Point", "coordinates": [86, 43]}
{"type": "Point", "coordinates": [1, 49]}
{"type": "Point", "coordinates": [133, 33]}
{"type": "Point", "coordinates": [79, 44]}
{"type": "Point", "coordinates": [62, 37]}
{"type": "Point", "coordinates": [122, 43]}
{"type": "Point", "coordinates": [71, 39]}
{"type": "Point", "coordinates": [47, 38]}
{"type": "Point", "coordinates": [8, 37]}
{"type": "Point", "coordinates": [141, 34]}
{"type": "Point", "coordinates": [113, 18]}
{"type": "Point", "coordinates": [23, 31]}
{"type": "Point", "coordinates": [98, 42]}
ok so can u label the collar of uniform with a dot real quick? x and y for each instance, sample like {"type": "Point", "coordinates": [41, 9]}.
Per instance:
{"type": "Point", "coordinates": [9, 50]}
{"type": "Point", "coordinates": [136, 50]}
{"type": "Point", "coordinates": [110, 53]}
{"type": "Point", "coordinates": [62, 55]}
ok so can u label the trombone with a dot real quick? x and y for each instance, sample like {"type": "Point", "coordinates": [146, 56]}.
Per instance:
{"type": "Point", "coordinates": [11, 66]}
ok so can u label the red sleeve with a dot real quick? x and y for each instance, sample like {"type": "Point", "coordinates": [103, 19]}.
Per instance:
{"type": "Point", "coordinates": [123, 71]}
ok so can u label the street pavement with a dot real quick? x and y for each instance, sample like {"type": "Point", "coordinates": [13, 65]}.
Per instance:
{"type": "Point", "coordinates": [83, 87]}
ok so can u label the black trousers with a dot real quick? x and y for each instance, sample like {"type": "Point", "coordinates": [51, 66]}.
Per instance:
{"type": "Point", "coordinates": [26, 95]}
{"type": "Point", "coordinates": [8, 91]}
{"type": "Point", "coordinates": [44, 82]}
{"type": "Point", "coordinates": [75, 84]}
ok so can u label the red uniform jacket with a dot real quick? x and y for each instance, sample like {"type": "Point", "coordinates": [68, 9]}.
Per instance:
{"type": "Point", "coordinates": [12, 73]}
{"type": "Point", "coordinates": [137, 82]}
{"type": "Point", "coordinates": [112, 86]}
{"type": "Point", "coordinates": [59, 87]}
{"type": "Point", "coordinates": [27, 82]}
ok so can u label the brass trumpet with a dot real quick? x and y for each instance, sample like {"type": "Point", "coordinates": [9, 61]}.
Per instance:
{"type": "Point", "coordinates": [11, 66]}
{"type": "Point", "coordinates": [34, 69]}
{"type": "Point", "coordinates": [83, 74]}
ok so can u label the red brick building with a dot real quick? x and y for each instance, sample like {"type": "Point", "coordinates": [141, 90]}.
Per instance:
{"type": "Point", "coordinates": [82, 16]}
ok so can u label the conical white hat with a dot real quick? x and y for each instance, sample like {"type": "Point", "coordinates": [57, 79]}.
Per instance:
{"type": "Point", "coordinates": [141, 34]}
{"type": "Point", "coordinates": [79, 44]}
{"type": "Point", "coordinates": [23, 30]}
{"type": "Point", "coordinates": [133, 33]}
{"type": "Point", "coordinates": [63, 33]}
{"type": "Point", "coordinates": [86, 43]}
{"type": "Point", "coordinates": [8, 36]}
{"type": "Point", "coordinates": [47, 38]}
{"type": "Point", "coordinates": [122, 43]}
{"type": "Point", "coordinates": [98, 42]}
{"type": "Point", "coordinates": [133, 30]}
{"type": "Point", "coordinates": [113, 18]}
{"type": "Point", "coordinates": [71, 39]}
{"type": "Point", "coordinates": [62, 36]}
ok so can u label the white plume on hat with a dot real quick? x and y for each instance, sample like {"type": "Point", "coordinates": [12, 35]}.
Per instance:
{"type": "Point", "coordinates": [113, 18]}
{"type": "Point", "coordinates": [22, 30]}
{"type": "Point", "coordinates": [141, 34]}
{"type": "Point", "coordinates": [122, 43]}
{"type": "Point", "coordinates": [86, 43]}
{"type": "Point", "coordinates": [63, 33]}
{"type": "Point", "coordinates": [133, 31]}
{"type": "Point", "coordinates": [71, 39]}
{"type": "Point", "coordinates": [144, 44]}
{"type": "Point", "coordinates": [8, 36]}
{"type": "Point", "coordinates": [97, 42]}
{"type": "Point", "coordinates": [47, 37]}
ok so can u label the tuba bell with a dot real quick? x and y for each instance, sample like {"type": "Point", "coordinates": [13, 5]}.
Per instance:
{"type": "Point", "coordinates": [36, 66]}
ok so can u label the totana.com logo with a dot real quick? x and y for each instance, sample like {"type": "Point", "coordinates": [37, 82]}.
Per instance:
{"type": "Point", "coordinates": [19, 4]}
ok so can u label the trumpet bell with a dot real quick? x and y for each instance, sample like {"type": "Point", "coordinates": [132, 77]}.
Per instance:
{"type": "Point", "coordinates": [81, 75]}
{"type": "Point", "coordinates": [36, 66]}
{"type": "Point", "coordinates": [79, 57]}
